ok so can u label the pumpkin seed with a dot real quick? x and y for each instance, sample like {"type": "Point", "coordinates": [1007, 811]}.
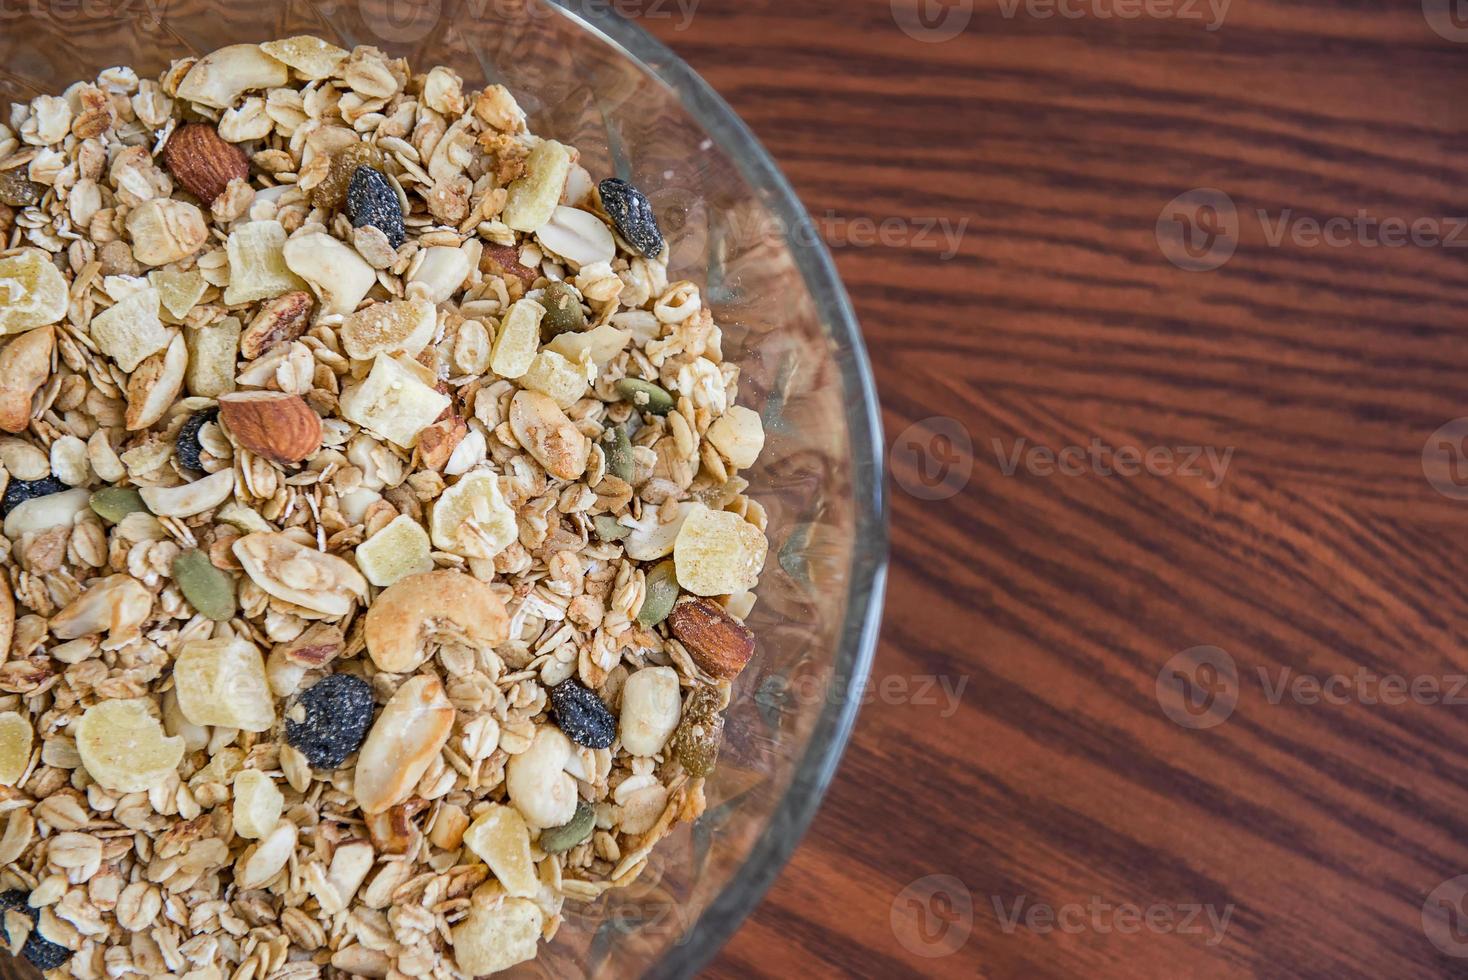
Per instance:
{"type": "Point", "coordinates": [647, 396]}
{"type": "Point", "coordinates": [563, 312]}
{"type": "Point", "coordinates": [208, 589]}
{"type": "Point", "coordinates": [618, 450]}
{"type": "Point", "coordinates": [662, 593]}
{"type": "Point", "coordinates": [112, 504]}
{"type": "Point", "coordinates": [558, 840]}
{"type": "Point", "coordinates": [608, 529]}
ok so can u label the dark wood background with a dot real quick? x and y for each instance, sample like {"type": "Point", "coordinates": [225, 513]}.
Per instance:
{"type": "Point", "coordinates": [1058, 599]}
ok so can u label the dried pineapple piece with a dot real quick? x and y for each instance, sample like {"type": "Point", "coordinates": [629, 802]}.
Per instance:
{"type": "Point", "coordinates": [130, 331]}
{"type": "Point", "coordinates": [396, 401]}
{"type": "Point", "coordinates": [257, 268]}
{"type": "Point", "coordinates": [400, 549]}
{"type": "Point", "coordinates": [123, 746]}
{"type": "Point", "coordinates": [213, 352]}
{"type": "Point", "coordinates": [471, 518]}
{"type": "Point", "coordinates": [739, 436]}
{"type": "Point", "coordinates": [518, 339]}
{"type": "Point", "coordinates": [563, 381]}
{"type": "Point", "coordinates": [498, 933]}
{"type": "Point", "coordinates": [400, 326]}
{"type": "Point", "coordinates": [502, 841]}
{"type": "Point", "coordinates": [179, 292]}
{"type": "Point", "coordinates": [222, 682]}
{"type": "Point", "coordinates": [32, 292]}
{"type": "Point", "coordinates": [15, 747]}
{"type": "Point", "coordinates": [257, 804]}
{"type": "Point", "coordinates": [533, 198]}
{"type": "Point", "coordinates": [718, 552]}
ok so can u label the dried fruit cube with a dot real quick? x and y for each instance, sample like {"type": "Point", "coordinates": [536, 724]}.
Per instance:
{"type": "Point", "coordinates": [179, 292]}
{"type": "Point", "coordinates": [518, 339]}
{"type": "Point", "coordinates": [533, 198]}
{"type": "Point", "coordinates": [123, 747]}
{"type": "Point", "coordinates": [502, 841]}
{"type": "Point", "coordinates": [400, 326]}
{"type": "Point", "coordinates": [131, 331]}
{"type": "Point", "coordinates": [222, 682]}
{"type": "Point", "coordinates": [498, 933]}
{"type": "Point", "coordinates": [718, 553]}
{"type": "Point", "coordinates": [257, 268]}
{"type": "Point", "coordinates": [395, 401]}
{"type": "Point", "coordinates": [257, 804]}
{"type": "Point", "coordinates": [565, 382]}
{"type": "Point", "coordinates": [472, 519]}
{"type": "Point", "coordinates": [32, 292]}
{"type": "Point", "coordinates": [15, 747]}
{"type": "Point", "coordinates": [398, 550]}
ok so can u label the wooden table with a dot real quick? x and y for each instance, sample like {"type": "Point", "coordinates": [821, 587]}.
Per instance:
{"type": "Point", "coordinates": [1297, 821]}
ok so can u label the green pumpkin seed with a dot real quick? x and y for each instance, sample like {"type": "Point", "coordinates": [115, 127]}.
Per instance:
{"type": "Point", "coordinates": [647, 396]}
{"type": "Point", "coordinates": [608, 529]}
{"type": "Point", "coordinates": [208, 589]}
{"type": "Point", "coordinates": [112, 504]}
{"type": "Point", "coordinates": [662, 592]}
{"type": "Point", "coordinates": [563, 312]}
{"type": "Point", "coordinates": [558, 840]}
{"type": "Point", "coordinates": [618, 449]}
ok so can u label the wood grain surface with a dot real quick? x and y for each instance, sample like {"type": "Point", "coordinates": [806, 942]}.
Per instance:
{"type": "Point", "coordinates": [1306, 831]}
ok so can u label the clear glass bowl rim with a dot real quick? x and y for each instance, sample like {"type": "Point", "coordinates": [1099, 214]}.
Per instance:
{"type": "Point", "coordinates": [868, 572]}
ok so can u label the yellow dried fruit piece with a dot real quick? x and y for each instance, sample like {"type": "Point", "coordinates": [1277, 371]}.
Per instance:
{"type": "Point", "coordinates": [400, 326]}
{"type": "Point", "coordinates": [533, 198]}
{"type": "Point", "coordinates": [257, 268]}
{"type": "Point", "coordinates": [563, 381]}
{"type": "Point", "coordinates": [398, 550]}
{"type": "Point", "coordinates": [222, 682]}
{"type": "Point", "coordinates": [498, 933]}
{"type": "Point", "coordinates": [396, 401]}
{"type": "Point", "coordinates": [518, 339]}
{"type": "Point", "coordinates": [471, 518]}
{"type": "Point", "coordinates": [717, 552]}
{"type": "Point", "coordinates": [257, 804]}
{"type": "Point", "coordinates": [213, 351]}
{"type": "Point", "coordinates": [179, 292]}
{"type": "Point", "coordinates": [130, 331]}
{"type": "Point", "coordinates": [502, 840]}
{"type": "Point", "coordinates": [32, 292]}
{"type": "Point", "coordinates": [15, 747]}
{"type": "Point", "coordinates": [123, 746]}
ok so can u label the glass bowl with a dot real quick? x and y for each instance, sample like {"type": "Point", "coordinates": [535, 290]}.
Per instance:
{"type": "Point", "coordinates": [590, 78]}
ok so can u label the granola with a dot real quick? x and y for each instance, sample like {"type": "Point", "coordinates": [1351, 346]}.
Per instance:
{"type": "Point", "coordinates": [373, 532]}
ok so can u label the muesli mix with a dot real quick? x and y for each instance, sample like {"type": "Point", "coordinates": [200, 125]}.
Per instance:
{"type": "Point", "coordinates": [375, 554]}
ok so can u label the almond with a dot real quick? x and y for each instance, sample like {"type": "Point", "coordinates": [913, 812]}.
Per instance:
{"type": "Point", "coordinates": [718, 643]}
{"type": "Point", "coordinates": [282, 319]}
{"type": "Point", "coordinates": [200, 160]}
{"type": "Point", "coordinates": [280, 427]}
{"type": "Point", "coordinates": [504, 260]}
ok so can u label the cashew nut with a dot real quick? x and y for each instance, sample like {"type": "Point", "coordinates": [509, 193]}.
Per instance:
{"type": "Point", "coordinates": [221, 77]}
{"type": "Point", "coordinates": [417, 612]}
{"type": "Point", "coordinates": [191, 498]}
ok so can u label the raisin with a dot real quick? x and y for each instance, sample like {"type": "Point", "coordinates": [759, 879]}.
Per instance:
{"type": "Point", "coordinates": [17, 191]}
{"type": "Point", "coordinates": [42, 952]}
{"type": "Point", "coordinates": [19, 491]}
{"type": "Point", "coordinates": [338, 712]}
{"type": "Point", "coordinates": [371, 200]}
{"type": "Point", "coordinates": [696, 742]}
{"type": "Point", "coordinates": [331, 193]}
{"type": "Point", "coordinates": [186, 446]}
{"type": "Point", "coordinates": [581, 715]}
{"type": "Point", "coordinates": [632, 213]}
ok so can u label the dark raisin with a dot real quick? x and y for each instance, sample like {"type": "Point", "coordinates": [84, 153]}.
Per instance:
{"type": "Point", "coordinates": [337, 713]}
{"type": "Point", "coordinates": [632, 213]}
{"type": "Point", "coordinates": [581, 715]}
{"type": "Point", "coordinates": [19, 491]}
{"type": "Point", "coordinates": [17, 191]}
{"type": "Point", "coordinates": [42, 952]}
{"type": "Point", "coordinates": [186, 446]}
{"type": "Point", "coordinates": [372, 201]}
